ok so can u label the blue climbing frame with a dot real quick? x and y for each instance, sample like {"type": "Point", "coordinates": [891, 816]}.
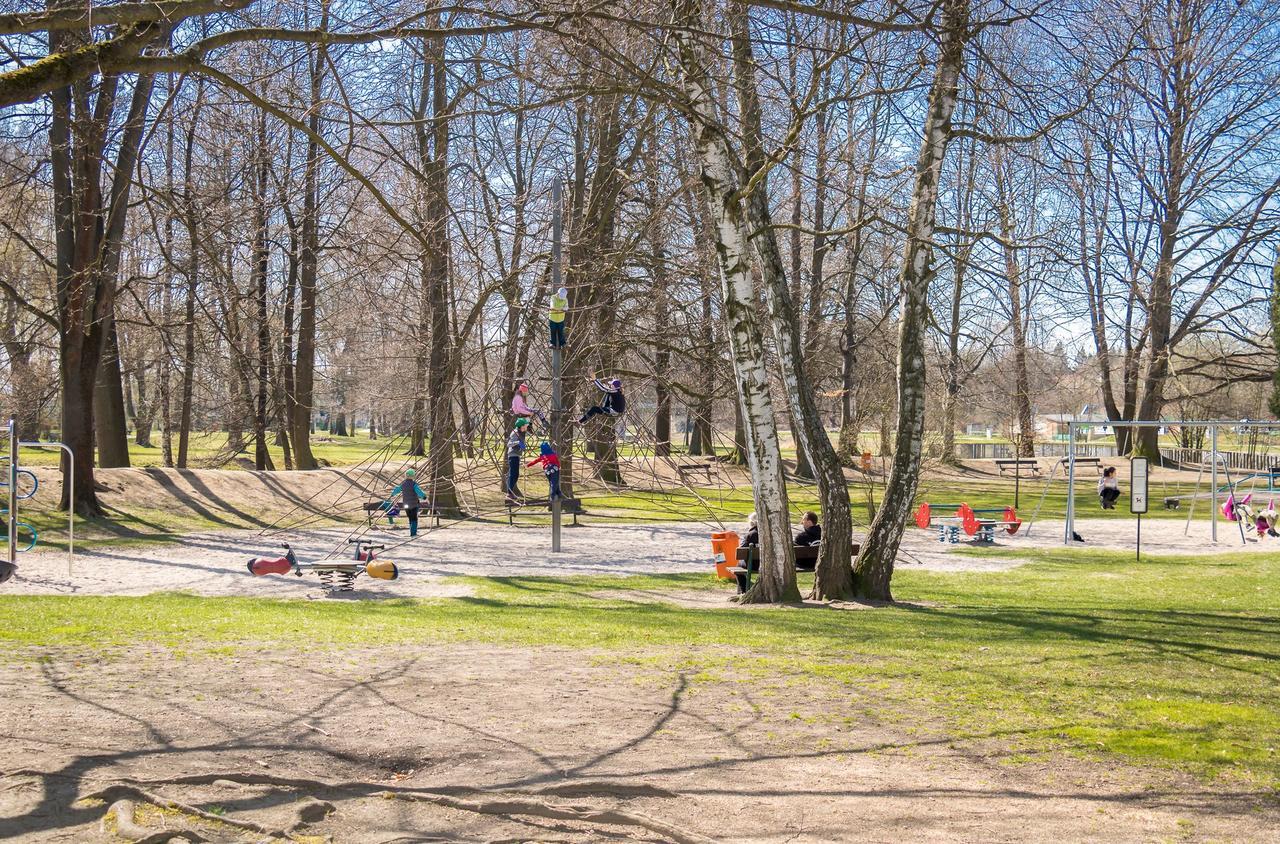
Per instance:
{"type": "Point", "coordinates": [10, 483]}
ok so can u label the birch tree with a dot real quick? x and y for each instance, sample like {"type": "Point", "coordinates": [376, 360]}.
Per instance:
{"type": "Point", "coordinates": [719, 180]}
{"type": "Point", "coordinates": [873, 570]}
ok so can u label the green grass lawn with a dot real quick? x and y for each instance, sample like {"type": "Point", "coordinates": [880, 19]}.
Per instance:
{"type": "Point", "coordinates": [1173, 661]}
{"type": "Point", "coordinates": [712, 507]}
{"type": "Point", "coordinates": [335, 451]}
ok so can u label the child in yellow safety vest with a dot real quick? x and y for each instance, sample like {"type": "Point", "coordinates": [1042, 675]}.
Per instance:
{"type": "Point", "coordinates": [555, 317]}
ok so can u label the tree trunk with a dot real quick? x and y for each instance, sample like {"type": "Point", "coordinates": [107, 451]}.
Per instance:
{"type": "Point", "coordinates": [850, 414]}
{"type": "Point", "coordinates": [87, 237]}
{"type": "Point", "coordinates": [145, 413]}
{"type": "Point", "coordinates": [661, 320]}
{"type": "Point", "coordinates": [112, 428]}
{"type": "Point", "coordinates": [874, 566]}
{"type": "Point", "coordinates": [833, 579]}
{"type": "Point", "coordinates": [261, 267]}
{"type": "Point", "coordinates": [308, 268]}
{"type": "Point", "coordinates": [1026, 446]}
{"type": "Point", "coordinates": [191, 217]}
{"type": "Point", "coordinates": [433, 151]}
{"type": "Point", "coordinates": [777, 580]}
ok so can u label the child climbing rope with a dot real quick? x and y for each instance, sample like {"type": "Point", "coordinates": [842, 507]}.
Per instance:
{"type": "Point", "coordinates": [550, 463]}
{"type": "Point", "coordinates": [614, 402]}
{"type": "Point", "coordinates": [555, 317]}
{"type": "Point", "coordinates": [515, 452]}
{"type": "Point", "coordinates": [411, 496]}
{"type": "Point", "coordinates": [520, 408]}
{"type": "Point", "coordinates": [1108, 488]}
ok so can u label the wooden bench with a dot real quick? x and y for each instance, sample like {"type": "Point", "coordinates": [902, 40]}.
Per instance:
{"type": "Point", "coordinates": [1095, 462]}
{"type": "Point", "coordinates": [806, 560]}
{"type": "Point", "coordinates": [704, 469]}
{"type": "Point", "coordinates": [1017, 463]}
{"type": "Point", "coordinates": [541, 506]}
{"type": "Point", "coordinates": [374, 510]}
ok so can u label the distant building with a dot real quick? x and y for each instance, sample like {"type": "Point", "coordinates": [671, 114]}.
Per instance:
{"type": "Point", "coordinates": [1054, 426]}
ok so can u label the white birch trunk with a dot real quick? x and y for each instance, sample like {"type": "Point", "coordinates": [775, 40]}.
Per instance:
{"type": "Point", "coordinates": [777, 580]}
{"type": "Point", "coordinates": [833, 577]}
{"type": "Point", "coordinates": [873, 569]}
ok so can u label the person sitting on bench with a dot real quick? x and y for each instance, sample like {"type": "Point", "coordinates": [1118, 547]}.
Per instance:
{"type": "Point", "coordinates": [811, 533]}
{"type": "Point", "coordinates": [614, 402]}
{"type": "Point", "coordinates": [1108, 488]}
{"type": "Point", "coordinates": [751, 537]}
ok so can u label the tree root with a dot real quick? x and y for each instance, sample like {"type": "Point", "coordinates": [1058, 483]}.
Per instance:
{"type": "Point", "coordinates": [120, 792]}
{"type": "Point", "coordinates": [128, 828]}
{"type": "Point", "coordinates": [539, 809]}
{"type": "Point", "coordinates": [572, 788]}
{"type": "Point", "coordinates": [122, 796]}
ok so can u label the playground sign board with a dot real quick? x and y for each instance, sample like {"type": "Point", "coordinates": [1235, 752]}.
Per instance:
{"type": "Point", "coordinates": [1138, 485]}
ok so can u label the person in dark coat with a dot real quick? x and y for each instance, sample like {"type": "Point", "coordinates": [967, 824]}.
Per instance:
{"type": "Point", "coordinates": [811, 531]}
{"type": "Point", "coordinates": [614, 402]}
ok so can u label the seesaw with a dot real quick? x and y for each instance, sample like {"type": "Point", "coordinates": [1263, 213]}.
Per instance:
{"type": "Point", "coordinates": [966, 518]}
{"type": "Point", "coordinates": [335, 575]}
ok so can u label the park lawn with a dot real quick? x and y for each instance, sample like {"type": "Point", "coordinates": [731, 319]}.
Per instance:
{"type": "Point", "coordinates": [331, 450]}
{"type": "Point", "coordinates": [1174, 661]}
{"type": "Point", "coordinates": [731, 505]}
{"type": "Point", "coordinates": [715, 508]}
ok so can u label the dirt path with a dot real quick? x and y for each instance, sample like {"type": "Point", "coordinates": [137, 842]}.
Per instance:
{"type": "Point", "coordinates": [465, 726]}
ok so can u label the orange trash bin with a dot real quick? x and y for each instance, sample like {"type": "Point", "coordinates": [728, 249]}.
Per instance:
{"type": "Point", "coordinates": [724, 552]}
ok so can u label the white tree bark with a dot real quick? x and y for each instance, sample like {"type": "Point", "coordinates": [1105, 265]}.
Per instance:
{"type": "Point", "coordinates": [833, 577]}
{"type": "Point", "coordinates": [873, 569]}
{"type": "Point", "coordinates": [777, 580]}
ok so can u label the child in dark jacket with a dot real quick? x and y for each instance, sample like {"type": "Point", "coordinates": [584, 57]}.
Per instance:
{"type": "Point", "coordinates": [550, 462]}
{"type": "Point", "coordinates": [515, 454]}
{"type": "Point", "coordinates": [411, 496]}
{"type": "Point", "coordinates": [614, 402]}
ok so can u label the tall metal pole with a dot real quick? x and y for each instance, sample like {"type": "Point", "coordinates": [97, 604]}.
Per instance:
{"type": "Point", "coordinates": [1213, 483]}
{"type": "Point", "coordinates": [1069, 528]}
{"type": "Point", "coordinates": [556, 410]}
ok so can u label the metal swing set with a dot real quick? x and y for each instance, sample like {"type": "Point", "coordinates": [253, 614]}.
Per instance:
{"type": "Point", "coordinates": [1215, 461]}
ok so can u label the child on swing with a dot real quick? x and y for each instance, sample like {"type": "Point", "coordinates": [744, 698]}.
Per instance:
{"type": "Point", "coordinates": [550, 462]}
{"type": "Point", "coordinates": [613, 404]}
{"type": "Point", "coordinates": [1108, 488]}
{"type": "Point", "coordinates": [1265, 521]}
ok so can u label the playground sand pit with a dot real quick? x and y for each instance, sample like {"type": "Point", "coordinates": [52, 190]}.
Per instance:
{"type": "Point", "coordinates": [486, 743]}
{"type": "Point", "coordinates": [214, 563]}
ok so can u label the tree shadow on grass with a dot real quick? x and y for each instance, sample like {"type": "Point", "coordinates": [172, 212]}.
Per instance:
{"type": "Point", "coordinates": [187, 500]}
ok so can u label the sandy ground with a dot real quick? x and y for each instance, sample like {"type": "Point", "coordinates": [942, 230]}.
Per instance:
{"type": "Point", "coordinates": [472, 743]}
{"type": "Point", "coordinates": [215, 563]}
{"type": "Point", "coordinates": [476, 743]}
